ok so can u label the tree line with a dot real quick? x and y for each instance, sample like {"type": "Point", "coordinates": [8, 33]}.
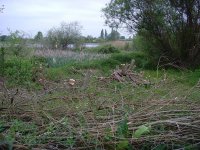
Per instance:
{"type": "Point", "coordinates": [61, 37]}
{"type": "Point", "coordinates": [114, 35]}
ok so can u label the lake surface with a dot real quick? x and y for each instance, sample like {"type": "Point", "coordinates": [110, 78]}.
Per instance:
{"type": "Point", "coordinates": [71, 46]}
{"type": "Point", "coordinates": [87, 45]}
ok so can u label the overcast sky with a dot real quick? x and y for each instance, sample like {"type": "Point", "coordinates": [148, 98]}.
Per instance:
{"type": "Point", "coordinates": [32, 16]}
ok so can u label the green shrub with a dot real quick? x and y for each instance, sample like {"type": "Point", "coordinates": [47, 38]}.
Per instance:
{"type": "Point", "coordinates": [109, 63]}
{"type": "Point", "coordinates": [105, 49]}
{"type": "Point", "coordinates": [56, 74]}
{"type": "Point", "coordinates": [141, 60]}
{"type": "Point", "coordinates": [17, 44]}
{"type": "Point", "coordinates": [38, 59]}
{"type": "Point", "coordinates": [192, 78]}
{"type": "Point", "coordinates": [141, 44]}
{"type": "Point", "coordinates": [20, 71]}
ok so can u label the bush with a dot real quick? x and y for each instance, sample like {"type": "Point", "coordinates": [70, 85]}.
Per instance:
{"type": "Point", "coordinates": [20, 71]}
{"type": "Point", "coordinates": [144, 45]}
{"type": "Point", "coordinates": [17, 44]}
{"type": "Point", "coordinates": [106, 49]}
{"type": "Point", "coordinates": [141, 60]}
{"type": "Point", "coordinates": [38, 60]}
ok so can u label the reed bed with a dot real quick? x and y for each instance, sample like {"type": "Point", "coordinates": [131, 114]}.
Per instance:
{"type": "Point", "coordinates": [56, 58]}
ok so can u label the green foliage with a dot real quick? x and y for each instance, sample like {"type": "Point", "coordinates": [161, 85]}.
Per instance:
{"type": "Point", "coordinates": [114, 35]}
{"type": "Point", "coordinates": [17, 44]}
{"type": "Point", "coordinates": [26, 130]}
{"type": "Point", "coordinates": [122, 130]}
{"type": "Point", "coordinates": [18, 71]}
{"type": "Point", "coordinates": [192, 147]}
{"type": "Point", "coordinates": [123, 145]}
{"type": "Point", "coordinates": [108, 63]}
{"type": "Point", "coordinates": [38, 36]}
{"type": "Point", "coordinates": [145, 45]}
{"type": "Point", "coordinates": [188, 78]}
{"type": "Point", "coordinates": [141, 60]}
{"type": "Point", "coordinates": [162, 24]}
{"type": "Point", "coordinates": [36, 60]}
{"type": "Point", "coordinates": [192, 78]}
{"type": "Point", "coordinates": [106, 49]}
{"type": "Point", "coordinates": [2, 127]}
{"type": "Point", "coordinates": [141, 130]}
{"type": "Point", "coordinates": [102, 34]}
{"type": "Point", "coordinates": [3, 38]}
{"type": "Point", "coordinates": [89, 39]}
{"type": "Point", "coordinates": [106, 34]}
{"type": "Point", "coordinates": [56, 74]}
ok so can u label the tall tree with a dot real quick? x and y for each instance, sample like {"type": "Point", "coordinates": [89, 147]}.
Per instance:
{"type": "Point", "coordinates": [106, 34]}
{"type": "Point", "coordinates": [102, 34]}
{"type": "Point", "coordinates": [172, 27]}
{"type": "Point", "coordinates": [114, 35]}
{"type": "Point", "coordinates": [38, 36]}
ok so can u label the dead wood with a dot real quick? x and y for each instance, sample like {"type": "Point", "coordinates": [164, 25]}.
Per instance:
{"type": "Point", "coordinates": [126, 73]}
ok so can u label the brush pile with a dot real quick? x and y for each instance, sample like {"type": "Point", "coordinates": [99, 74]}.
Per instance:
{"type": "Point", "coordinates": [126, 73]}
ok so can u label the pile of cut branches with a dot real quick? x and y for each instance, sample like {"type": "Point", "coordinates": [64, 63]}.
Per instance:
{"type": "Point", "coordinates": [127, 73]}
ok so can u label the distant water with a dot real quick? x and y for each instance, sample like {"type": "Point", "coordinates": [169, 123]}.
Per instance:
{"type": "Point", "coordinates": [71, 46]}
{"type": "Point", "coordinates": [87, 45]}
